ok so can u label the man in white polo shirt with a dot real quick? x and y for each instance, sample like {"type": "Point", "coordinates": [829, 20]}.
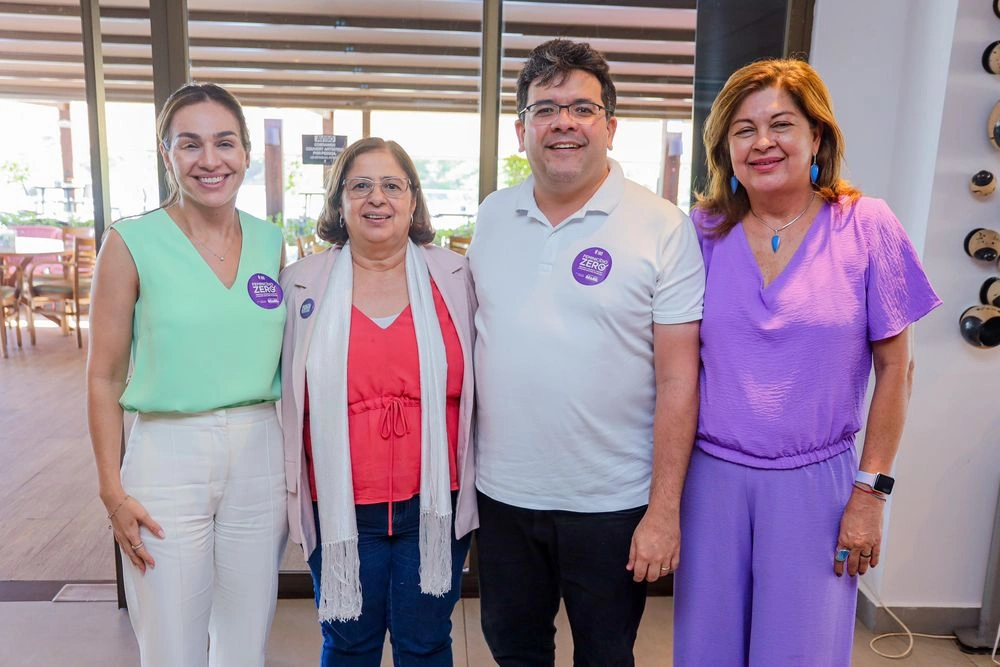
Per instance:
{"type": "Point", "coordinates": [590, 297]}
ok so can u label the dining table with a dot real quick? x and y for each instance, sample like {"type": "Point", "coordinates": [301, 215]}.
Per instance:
{"type": "Point", "coordinates": [26, 249]}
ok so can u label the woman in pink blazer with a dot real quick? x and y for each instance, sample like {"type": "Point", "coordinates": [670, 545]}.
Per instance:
{"type": "Point", "coordinates": [377, 408]}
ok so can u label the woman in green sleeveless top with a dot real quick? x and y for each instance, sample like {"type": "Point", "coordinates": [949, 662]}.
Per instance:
{"type": "Point", "coordinates": [187, 295]}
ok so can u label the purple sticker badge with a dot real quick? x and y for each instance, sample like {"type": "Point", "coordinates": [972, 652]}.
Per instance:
{"type": "Point", "coordinates": [306, 309]}
{"type": "Point", "coordinates": [592, 266]}
{"type": "Point", "coordinates": [264, 291]}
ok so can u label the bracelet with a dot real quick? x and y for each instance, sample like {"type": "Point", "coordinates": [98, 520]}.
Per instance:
{"type": "Point", "coordinates": [861, 487]}
{"type": "Point", "coordinates": [113, 512]}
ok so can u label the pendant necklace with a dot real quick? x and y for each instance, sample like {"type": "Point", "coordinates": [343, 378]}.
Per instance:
{"type": "Point", "coordinates": [219, 257]}
{"type": "Point", "coordinates": [776, 239]}
{"type": "Point", "coordinates": [190, 235]}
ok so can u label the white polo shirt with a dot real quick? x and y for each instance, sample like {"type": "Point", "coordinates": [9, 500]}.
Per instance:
{"type": "Point", "coordinates": [564, 349]}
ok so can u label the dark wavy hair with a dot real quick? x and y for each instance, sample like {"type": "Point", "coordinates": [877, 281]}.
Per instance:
{"type": "Point", "coordinates": [807, 90]}
{"type": "Point", "coordinates": [328, 225]}
{"type": "Point", "coordinates": [552, 61]}
{"type": "Point", "coordinates": [185, 96]}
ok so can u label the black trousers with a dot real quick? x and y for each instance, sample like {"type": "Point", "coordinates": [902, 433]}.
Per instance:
{"type": "Point", "coordinates": [528, 558]}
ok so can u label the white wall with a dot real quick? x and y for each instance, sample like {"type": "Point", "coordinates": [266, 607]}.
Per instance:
{"type": "Point", "coordinates": [912, 100]}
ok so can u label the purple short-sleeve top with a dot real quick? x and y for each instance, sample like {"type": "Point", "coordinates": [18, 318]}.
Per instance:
{"type": "Point", "coordinates": [785, 367]}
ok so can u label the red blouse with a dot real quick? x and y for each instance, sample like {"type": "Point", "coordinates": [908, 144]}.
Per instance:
{"type": "Point", "coordinates": [383, 406]}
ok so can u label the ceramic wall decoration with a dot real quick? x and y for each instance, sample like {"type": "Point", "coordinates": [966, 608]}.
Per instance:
{"type": "Point", "coordinates": [991, 58]}
{"type": "Point", "coordinates": [983, 183]}
{"type": "Point", "coordinates": [993, 126]}
{"type": "Point", "coordinates": [989, 293]}
{"type": "Point", "coordinates": [983, 244]}
{"type": "Point", "coordinates": [980, 326]}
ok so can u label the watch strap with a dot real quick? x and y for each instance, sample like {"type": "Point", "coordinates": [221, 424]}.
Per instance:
{"type": "Point", "coordinates": [876, 480]}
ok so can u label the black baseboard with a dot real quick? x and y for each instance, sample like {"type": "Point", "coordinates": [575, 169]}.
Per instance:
{"type": "Point", "coordinates": [291, 585]}
{"type": "Point", "coordinates": [36, 591]}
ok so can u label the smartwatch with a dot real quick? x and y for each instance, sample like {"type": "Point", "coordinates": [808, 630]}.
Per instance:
{"type": "Point", "coordinates": [876, 480]}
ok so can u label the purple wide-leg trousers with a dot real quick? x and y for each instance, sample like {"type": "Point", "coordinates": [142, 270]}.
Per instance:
{"type": "Point", "coordinates": [755, 586]}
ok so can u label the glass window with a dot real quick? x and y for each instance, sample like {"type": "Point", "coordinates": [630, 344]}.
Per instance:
{"type": "Point", "coordinates": [651, 54]}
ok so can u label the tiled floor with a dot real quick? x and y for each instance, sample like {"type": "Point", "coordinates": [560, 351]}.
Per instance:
{"type": "Point", "coordinates": [96, 634]}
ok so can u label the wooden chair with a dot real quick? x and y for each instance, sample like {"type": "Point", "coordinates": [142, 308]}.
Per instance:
{"type": "Point", "coordinates": [10, 306]}
{"type": "Point", "coordinates": [459, 244]}
{"type": "Point", "coordinates": [77, 232]}
{"type": "Point", "coordinates": [67, 296]}
{"type": "Point", "coordinates": [308, 244]}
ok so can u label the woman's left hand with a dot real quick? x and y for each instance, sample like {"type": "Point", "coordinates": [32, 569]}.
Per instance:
{"type": "Point", "coordinates": [860, 533]}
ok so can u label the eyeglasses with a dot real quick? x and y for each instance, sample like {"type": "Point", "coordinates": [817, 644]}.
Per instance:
{"type": "Point", "coordinates": [546, 113]}
{"type": "Point", "coordinates": [360, 187]}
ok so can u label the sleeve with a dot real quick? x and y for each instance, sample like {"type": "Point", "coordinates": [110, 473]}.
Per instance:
{"type": "Point", "coordinates": [130, 232]}
{"type": "Point", "coordinates": [482, 216]}
{"type": "Point", "coordinates": [680, 284]}
{"type": "Point", "coordinates": [702, 222]}
{"type": "Point", "coordinates": [897, 288]}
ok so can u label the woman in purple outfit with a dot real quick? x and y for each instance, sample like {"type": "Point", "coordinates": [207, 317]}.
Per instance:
{"type": "Point", "coordinates": [809, 285]}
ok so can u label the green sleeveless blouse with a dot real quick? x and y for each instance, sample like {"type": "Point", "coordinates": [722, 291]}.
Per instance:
{"type": "Point", "coordinates": [196, 345]}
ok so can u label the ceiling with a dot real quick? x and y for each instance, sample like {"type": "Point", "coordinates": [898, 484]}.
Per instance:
{"type": "Point", "coordinates": [352, 54]}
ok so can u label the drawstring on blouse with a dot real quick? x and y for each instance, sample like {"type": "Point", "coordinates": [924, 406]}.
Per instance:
{"type": "Point", "coordinates": [393, 421]}
{"type": "Point", "coordinates": [392, 425]}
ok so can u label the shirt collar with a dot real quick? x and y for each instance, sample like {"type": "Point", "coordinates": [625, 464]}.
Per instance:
{"type": "Point", "coordinates": [607, 197]}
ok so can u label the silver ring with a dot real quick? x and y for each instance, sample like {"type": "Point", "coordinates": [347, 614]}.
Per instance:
{"type": "Point", "coordinates": [842, 555]}
{"type": "Point", "coordinates": [867, 555]}
{"type": "Point", "coordinates": [136, 547]}
{"type": "Point", "coordinates": [664, 569]}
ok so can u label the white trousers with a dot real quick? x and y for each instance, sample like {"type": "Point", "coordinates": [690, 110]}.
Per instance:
{"type": "Point", "coordinates": [215, 482]}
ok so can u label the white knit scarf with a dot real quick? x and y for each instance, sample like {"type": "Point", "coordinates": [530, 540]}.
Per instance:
{"type": "Point", "coordinates": [326, 366]}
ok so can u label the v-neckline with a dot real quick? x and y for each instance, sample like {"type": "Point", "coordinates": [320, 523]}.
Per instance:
{"type": "Point", "coordinates": [371, 319]}
{"type": "Point", "coordinates": [794, 260]}
{"type": "Point", "coordinates": [204, 262]}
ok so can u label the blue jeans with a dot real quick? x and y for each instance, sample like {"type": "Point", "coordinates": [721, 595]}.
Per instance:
{"type": "Point", "coordinates": [529, 558]}
{"type": "Point", "coordinates": [419, 625]}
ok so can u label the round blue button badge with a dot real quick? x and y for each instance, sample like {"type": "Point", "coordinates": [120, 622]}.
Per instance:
{"type": "Point", "coordinates": [307, 308]}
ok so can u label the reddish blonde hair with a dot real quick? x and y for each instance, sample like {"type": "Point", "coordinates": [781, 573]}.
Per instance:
{"type": "Point", "coordinates": [807, 90]}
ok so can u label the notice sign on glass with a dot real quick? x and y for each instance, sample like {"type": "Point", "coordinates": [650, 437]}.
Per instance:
{"type": "Point", "coordinates": [322, 148]}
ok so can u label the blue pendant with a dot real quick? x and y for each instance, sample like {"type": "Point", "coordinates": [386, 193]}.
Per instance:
{"type": "Point", "coordinates": [775, 242]}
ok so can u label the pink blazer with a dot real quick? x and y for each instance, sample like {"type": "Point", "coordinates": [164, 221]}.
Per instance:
{"type": "Point", "coordinates": [307, 280]}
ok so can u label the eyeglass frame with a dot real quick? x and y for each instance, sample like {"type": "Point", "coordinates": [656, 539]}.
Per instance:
{"type": "Point", "coordinates": [345, 190]}
{"type": "Point", "coordinates": [608, 113]}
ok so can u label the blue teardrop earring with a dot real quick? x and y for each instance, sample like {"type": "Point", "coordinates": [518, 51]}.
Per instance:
{"type": "Point", "coordinates": [813, 171]}
{"type": "Point", "coordinates": [734, 183]}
